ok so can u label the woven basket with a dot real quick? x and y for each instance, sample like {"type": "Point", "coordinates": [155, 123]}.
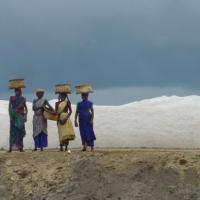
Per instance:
{"type": "Point", "coordinates": [63, 88]}
{"type": "Point", "coordinates": [17, 83]}
{"type": "Point", "coordinates": [50, 115]}
{"type": "Point", "coordinates": [84, 88]}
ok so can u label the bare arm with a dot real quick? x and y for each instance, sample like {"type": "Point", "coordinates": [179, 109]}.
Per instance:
{"type": "Point", "coordinates": [70, 110]}
{"type": "Point", "coordinates": [9, 108]}
{"type": "Point", "coordinates": [26, 110]}
{"type": "Point", "coordinates": [49, 106]}
{"type": "Point", "coordinates": [76, 117]}
{"type": "Point", "coordinates": [92, 120]}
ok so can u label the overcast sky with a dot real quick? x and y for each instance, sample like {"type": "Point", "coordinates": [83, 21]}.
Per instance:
{"type": "Point", "coordinates": [145, 45]}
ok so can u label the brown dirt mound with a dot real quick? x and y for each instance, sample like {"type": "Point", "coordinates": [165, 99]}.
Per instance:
{"type": "Point", "coordinates": [103, 175]}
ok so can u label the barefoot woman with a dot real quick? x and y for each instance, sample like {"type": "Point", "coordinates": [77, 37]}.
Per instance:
{"type": "Point", "coordinates": [18, 115]}
{"type": "Point", "coordinates": [64, 111]}
{"type": "Point", "coordinates": [40, 134]}
{"type": "Point", "coordinates": [85, 113]}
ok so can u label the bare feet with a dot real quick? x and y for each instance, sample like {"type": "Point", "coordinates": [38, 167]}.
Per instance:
{"type": "Point", "coordinates": [61, 148]}
{"type": "Point", "coordinates": [10, 150]}
{"type": "Point", "coordinates": [84, 149]}
{"type": "Point", "coordinates": [66, 148]}
{"type": "Point", "coordinates": [69, 151]}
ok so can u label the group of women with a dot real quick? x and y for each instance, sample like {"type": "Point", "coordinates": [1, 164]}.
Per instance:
{"type": "Point", "coordinates": [84, 117]}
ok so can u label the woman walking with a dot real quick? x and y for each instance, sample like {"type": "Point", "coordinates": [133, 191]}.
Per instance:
{"type": "Point", "coordinates": [18, 115]}
{"type": "Point", "coordinates": [85, 114]}
{"type": "Point", "coordinates": [64, 111]}
{"type": "Point", "coordinates": [40, 133]}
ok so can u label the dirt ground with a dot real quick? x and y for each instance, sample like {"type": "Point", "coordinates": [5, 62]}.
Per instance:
{"type": "Point", "coordinates": [117, 174]}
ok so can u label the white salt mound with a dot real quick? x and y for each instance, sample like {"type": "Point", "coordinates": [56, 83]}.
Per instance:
{"type": "Point", "coordinates": [167, 122]}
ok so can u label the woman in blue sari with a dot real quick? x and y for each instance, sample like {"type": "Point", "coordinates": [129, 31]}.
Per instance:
{"type": "Point", "coordinates": [85, 114]}
{"type": "Point", "coordinates": [18, 116]}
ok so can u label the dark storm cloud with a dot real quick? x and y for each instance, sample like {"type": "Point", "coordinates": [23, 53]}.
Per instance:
{"type": "Point", "coordinates": [109, 43]}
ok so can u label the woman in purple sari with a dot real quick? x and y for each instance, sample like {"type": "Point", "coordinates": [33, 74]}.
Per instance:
{"type": "Point", "coordinates": [18, 116]}
{"type": "Point", "coordinates": [85, 113]}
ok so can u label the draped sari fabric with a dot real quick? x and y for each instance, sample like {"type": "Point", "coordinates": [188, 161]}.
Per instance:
{"type": "Point", "coordinates": [86, 128]}
{"type": "Point", "coordinates": [17, 121]}
{"type": "Point", "coordinates": [65, 131]}
{"type": "Point", "coordinates": [40, 134]}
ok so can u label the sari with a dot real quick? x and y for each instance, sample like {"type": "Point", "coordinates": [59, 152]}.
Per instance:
{"type": "Point", "coordinates": [65, 131]}
{"type": "Point", "coordinates": [17, 121]}
{"type": "Point", "coordinates": [86, 128]}
{"type": "Point", "coordinates": [40, 133]}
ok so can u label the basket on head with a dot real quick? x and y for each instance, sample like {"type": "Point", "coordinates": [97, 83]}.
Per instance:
{"type": "Point", "coordinates": [17, 83]}
{"type": "Point", "coordinates": [84, 88]}
{"type": "Point", "coordinates": [63, 88]}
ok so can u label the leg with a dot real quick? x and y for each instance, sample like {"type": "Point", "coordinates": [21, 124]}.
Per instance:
{"type": "Point", "coordinates": [61, 147]}
{"type": "Point", "coordinates": [21, 145]}
{"type": "Point", "coordinates": [40, 142]}
{"type": "Point", "coordinates": [10, 149]}
{"type": "Point", "coordinates": [21, 149]}
{"type": "Point", "coordinates": [35, 149]}
{"type": "Point", "coordinates": [84, 147]}
{"type": "Point", "coordinates": [92, 145]}
{"type": "Point", "coordinates": [35, 142]}
{"type": "Point", "coordinates": [83, 135]}
{"type": "Point", "coordinates": [92, 148]}
{"type": "Point", "coordinates": [66, 145]}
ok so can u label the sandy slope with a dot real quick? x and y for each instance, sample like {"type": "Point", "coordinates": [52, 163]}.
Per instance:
{"type": "Point", "coordinates": [106, 174]}
{"type": "Point", "coordinates": [170, 122]}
